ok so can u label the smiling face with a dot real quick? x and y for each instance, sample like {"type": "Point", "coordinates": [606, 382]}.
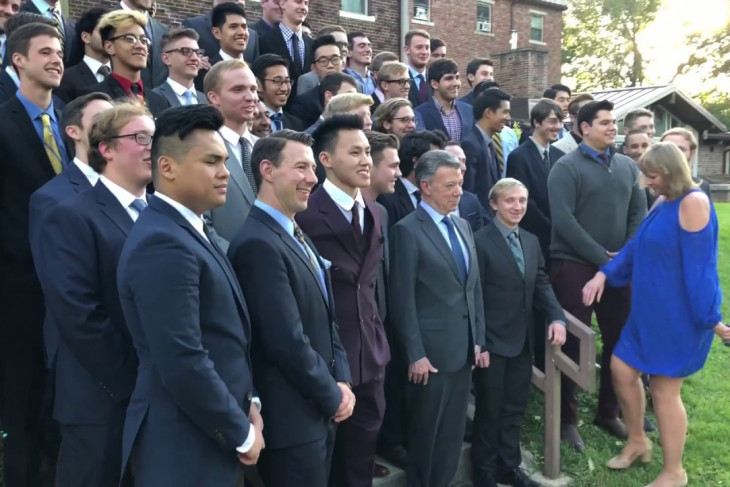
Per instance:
{"type": "Point", "coordinates": [182, 67]}
{"type": "Point", "coordinates": [636, 145]}
{"type": "Point", "coordinates": [236, 96]}
{"type": "Point", "coordinates": [233, 36]}
{"type": "Point", "coordinates": [497, 119]}
{"type": "Point", "coordinates": [275, 96]}
{"type": "Point", "coordinates": [8, 8]}
{"type": "Point", "coordinates": [294, 12]}
{"type": "Point", "coordinates": [602, 132]}
{"type": "Point", "coordinates": [683, 144]}
{"type": "Point", "coordinates": [418, 52]}
{"type": "Point", "coordinates": [384, 174]}
{"type": "Point", "coordinates": [510, 206]}
{"type": "Point", "coordinates": [128, 162]}
{"type": "Point", "coordinates": [292, 180]}
{"type": "Point", "coordinates": [261, 125]}
{"type": "Point", "coordinates": [447, 87]}
{"type": "Point", "coordinates": [361, 51]}
{"type": "Point", "coordinates": [348, 165]}
{"type": "Point", "coordinates": [43, 66]}
{"type": "Point", "coordinates": [127, 55]}
{"type": "Point", "coordinates": [549, 128]}
{"type": "Point", "coordinates": [403, 122]}
{"type": "Point", "coordinates": [484, 73]}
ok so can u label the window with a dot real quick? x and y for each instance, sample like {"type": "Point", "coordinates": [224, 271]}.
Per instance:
{"type": "Point", "coordinates": [422, 10]}
{"type": "Point", "coordinates": [355, 6]}
{"type": "Point", "coordinates": [536, 24]}
{"type": "Point", "coordinates": [484, 17]}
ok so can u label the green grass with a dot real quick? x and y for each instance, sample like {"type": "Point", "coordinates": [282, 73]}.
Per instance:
{"type": "Point", "coordinates": [706, 397]}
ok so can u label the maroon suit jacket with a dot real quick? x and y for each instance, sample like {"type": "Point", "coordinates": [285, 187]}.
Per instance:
{"type": "Point", "coordinates": [353, 274]}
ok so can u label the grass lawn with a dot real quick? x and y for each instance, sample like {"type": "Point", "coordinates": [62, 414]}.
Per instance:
{"type": "Point", "coordinates": [706, 397]}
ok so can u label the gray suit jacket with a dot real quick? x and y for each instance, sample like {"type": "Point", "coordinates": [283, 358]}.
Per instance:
{"type": "Point", "coordinates": [566, 144]}
{"type": "Point", "coordinates": [309, 80]}
{"type": "Point", "coordinates": [166, 91]}
{"type": "Point", "coordinates": [228, 219]}
{"type": "Point", "coordinates": [432, 312]}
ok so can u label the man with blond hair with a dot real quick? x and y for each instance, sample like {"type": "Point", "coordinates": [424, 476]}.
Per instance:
{"type": "Point", "coordinates": [352, 103]}
{"type": "Point", "coordinates": [393, 82]}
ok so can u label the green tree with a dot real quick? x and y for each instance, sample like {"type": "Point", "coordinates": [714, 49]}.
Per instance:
{"type": "Point", "coordinates": [718, 104]}
{"type": "Point", "coordinates": [600, 45]}
{"type": "Point", "coordinates": [710, 53]}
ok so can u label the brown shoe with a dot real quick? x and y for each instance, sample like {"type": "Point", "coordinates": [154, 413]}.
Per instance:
{"type": "Point", "coordinates": [614, 427]}
{"type": "Point", "coordinates": [380, 471]}
{"type": "Point", "coordinates": [569, 434]}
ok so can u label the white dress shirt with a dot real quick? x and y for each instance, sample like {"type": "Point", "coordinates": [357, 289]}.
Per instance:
{"type": "Point", "coordinates": [180, 90]}
{"type": "Point", "coordinates": [226, 57]}
{"type": "Point", "coordinates": [94, 66]}
{"type": "Point", "coordinates": [411, 188]}
{"type": "Point", "coordinates": [345, 202]}
{"type": "Point", "coordinates": [124, 197]}
{"type": "Point", "coordinates": [91, 175]}
{"type": "Point", "coordinates": [230, 136]}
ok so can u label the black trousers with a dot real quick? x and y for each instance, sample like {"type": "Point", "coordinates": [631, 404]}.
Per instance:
{"type": "Point", "coordinates": [393, 430]}
{"type": "Point", "coordinates": [502, 393]}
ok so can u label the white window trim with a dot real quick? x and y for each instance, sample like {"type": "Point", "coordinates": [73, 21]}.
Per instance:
{"type": "Point", "coordinates": [489, 3]}
{"type": "Point", "coordinates": [422, 22]}
{"type": "Point", "coordinates": [354, 16]}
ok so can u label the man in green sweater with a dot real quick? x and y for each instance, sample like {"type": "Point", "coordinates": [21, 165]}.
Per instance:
{"type": "Point", "coordinates": [596, 207]}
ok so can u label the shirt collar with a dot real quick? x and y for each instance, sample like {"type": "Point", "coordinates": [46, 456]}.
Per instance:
{"type": "Point", "coordinates": [286, 223]}
{"type": "Point", "coordinates": [226, 57]}
{"type": "Point", "coordinates": [486, 136]}
{"type": "Point", "coordinates": [379, 93]}
{"type": "Point", "coordinates": [594, 154]}
{"type": "Point", "coordinates": [90, 174]}
{"type": "Point", "coordinates": [43, 7]}
{"type": "Point", "coordinates": [503, 228]}
{"type": "Point", "coordinates": [127, 83]}
{"type": "Point", "coordinates": [410, 187]}
{"type": "Point", "coordinates": [178, 88]}
{"type": "Point", "coordinates": [13, 75]}
{"type": "Point", "coordinates": [195, 220]}
{"type": "Point", "coordinates": [124, 197]}
{"type": "Point", "coordinates": [33, 110]}
{"type": "Point", "coordinates": [435, 215]}
{"type": "Point", "coordinates": [3, 38]}
{"type": "Point", "coordinates": [414, 73]}
{"type": "Point", "coordinates": [540, 148]}
{"type": "Point", "coordinates": [272, 111]}
{"type": "Point", "coordinates": [94, 65]}
{"type": "Point", "coordinates": [343, 200]}
{"type": "Point", "coordinates": [287, 32]}
{"type": "Point", "coordinates": [440, 107]}
{"type": "Point", "coordinates": [233, 138]}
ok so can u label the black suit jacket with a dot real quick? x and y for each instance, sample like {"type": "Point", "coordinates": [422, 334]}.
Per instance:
{"type": "Point", "coordinates": [69, 32]}
{"type": "Point", "coordinates": [526, 164]}
{"type": "Point", "coordinates": [155, 102]}
{"type": "Point", "coordinates": [468, 98]}
{"type": "Point", "coordinates": [376, 103]}
{"type": "Point", "coordinates": [156, 72]}
{"type": "Point", "coordinates": [261, 27]}
{"type": "Point", "coordinates": [413, 94]}
{"type": "Point", "coordinates": [398, 204]}
{"type": "Point", "coordinates": [273, 43]}
{"type": "Point", "coordinates": [293, 123]}
{"type": "Point", "coordinates": [307, 107]}
{"type": "Point", "coordinates": [509, 298]}
{"type": "Point", "coordinates": [76, 81]}
{"type": "Point", "coordinates": [481, 166]}
{"type": "Point", "coordinates": [296, 349]}
{"type": "Point", "coordinates": [471, 210]}
{"type": "Point", "coordinates": [203, 25]}
{"type": "Point", "coordinates": [8, 88]}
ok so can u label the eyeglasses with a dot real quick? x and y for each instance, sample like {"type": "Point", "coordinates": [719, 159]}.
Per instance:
{"type": "Point", "coordinates": [324, 61]}
{"type": "Point", "coordinates": [132, 39]}
{"type": "Point", "coordinates": [141, 138]}
{"type": "Point", "coordinates": [187, 51]}
{"type": "Point", "coordinates": [553, 121]}
{"type": "Point", "coordinates": [401, 82]}
{"type": "Point", "coordinates": [405, 119]}
{"type": "Point", "coordinates": [278, 82]}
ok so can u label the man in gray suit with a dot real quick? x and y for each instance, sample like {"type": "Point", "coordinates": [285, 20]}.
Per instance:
{"type": "Point", "coordinates": [438, 317]}
{"type": "Point", "coordinates": [231, 87]}
{"type": "Point", "coordinates": [181, 54]}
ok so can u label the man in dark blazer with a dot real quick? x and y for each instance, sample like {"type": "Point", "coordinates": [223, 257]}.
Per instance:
{"type": "Point", "coordinates": [270, 16]}
{"type": "Point", "coordinates": [438, 319]}
{"type": "Point", "coordinates": [470, 209]}
{"type": "Point", "coordinates": [80, 244]}
{"type": "Point", "coordinates": [418, 53]}
{"type": "Point", "coordinates": [25, 165]}
{"type": "Point", "coordinates": [514, 282]}
{"type": "Point", "coordinates": [491, 112]}
{"type": "Point", "coordinates": [275, 90]}
{"type": "Point", "coordinates": [193, 416]}
{"type": "Point", "coordinates": [477, 71]}
{"type": "Point", "coordinates": [346, 230]}
{"type": "Point", "coordinates": [155, 71]}
{"type": "Point", "coordinates": [302, 374]}
{"type": "Point", "coordinates": [94, 67]}
{"type": "Point", "coordinates": [51, 9]}
{"type": "Point", "coordinates": [7, 85]}
{"type": "Point", "coordinates": [181, 54]}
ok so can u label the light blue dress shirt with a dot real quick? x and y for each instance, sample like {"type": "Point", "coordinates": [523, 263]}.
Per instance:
{"type": "Point", "coordinates": [35, 112]}
{"type": "Point", "coordinates": [437, 219]}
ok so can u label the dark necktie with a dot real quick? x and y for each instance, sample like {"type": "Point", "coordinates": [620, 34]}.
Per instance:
{"type": "Point", "coordinates": [136, 89]}
{"type": "Point", "coordinates": [456, 248]}
{"type": "Point", "coordinates": [104, 70]}
{"type": "Point", "coordinates": [605, 159]}
{"type": "Point", "coordinates": [278, 120]}
{"type": "Point", "coordinates": [296, 56]}
{"type": "Point", "coordinates": [417, 194]}
{"type": "Point", "coordinates": [206, 231]}
{"type": "Point", "coordinates": [516, 248]}
{"type": "Point", "coordinates": [299, 235]}
{"type": "Point", "coordinates": [246, 163]}
{"type": "Point", "coordinates": [355, 222]}
{"type": "Point", "coordinates": [546, 160]}
{"type": "Point", "coordinates": [422, 90]}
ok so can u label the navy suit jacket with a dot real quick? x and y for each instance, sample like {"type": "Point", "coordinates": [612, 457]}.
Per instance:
{"type": "Point", "coordinates": [7, 86]}
{"type": "Point", "coordinates": [468, 98]}
{"type": "Point", "coordinates": [429, 118]}
{"type": "Point", "coordinates": [481, 166]}
{"type": "Point", "coordinates": [190, 327]}
{"type": "Point", "coordinates": [413, 94]}
{"type": "Point", "coordinates": [273, 43]}
{"type": "Point", "coordinates": [526, 164]}
{"type": "Point", "coordinates": [471, 210]}
{"type": "Point", "coordinates": [398, 204]}
{"type": "Point", "coordinates": [307, 107]}
{"type": "Point", "coordinates": [96, 365]}
{"type": "Point", "coordinates": [296, 349]}
{"type": "Point", "coordinates": [203, 25]}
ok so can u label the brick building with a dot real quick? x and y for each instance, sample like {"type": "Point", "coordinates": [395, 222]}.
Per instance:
{"type": "Point", "coordinates": [470, 28]}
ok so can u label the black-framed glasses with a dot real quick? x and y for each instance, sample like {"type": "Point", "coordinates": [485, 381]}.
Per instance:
{"type": "Point", "coordinates": [187, 51]}
{"type": "Point", "coordinates": [279, 81]}
{"type": "Point", "coordinates": [324, 61]}
{"type": "Point", "coordinates": [141, 138]}
{"type": "Point", "coordinates": [132, 39]}
{"type": "Point", "coordinates": [405, 119]}
{"type": "Point", "coordinates": [401, 82]}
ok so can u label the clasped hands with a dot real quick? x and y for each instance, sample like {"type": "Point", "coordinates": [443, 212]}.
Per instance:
{"type": "Point", "coordinates": [252, 456]}
{"type": "Point", "coordinates": [347, 403]}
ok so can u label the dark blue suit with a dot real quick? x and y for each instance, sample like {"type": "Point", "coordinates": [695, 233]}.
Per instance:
{"type": "Point", "coordinates": [190, 327]}
{"type": "Point", "coordinates": [468, 98]}
{"type": "Point", "coordinates": [471, 210]}
{"type": "Point", "coordinates": [428, 117]}
{"type": "Point", "coordinates": [481, 165]}
{"type": "Point", "coordinates": [80, 242]}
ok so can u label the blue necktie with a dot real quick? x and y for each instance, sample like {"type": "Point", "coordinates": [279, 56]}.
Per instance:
{"type": "Point", "coordinates": [188, 95]}
{"type": "Point", "coordinates": [516, 248]}
{"type": "Point", "coordinates": [138, 204]}
{"type": "Point", "coordinates": [278, 119]}
{"type": "Point", "coordinates": [456, 248]}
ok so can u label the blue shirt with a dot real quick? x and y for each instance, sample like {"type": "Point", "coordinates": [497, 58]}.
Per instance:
{"type": "Point", "coordinates": [594, 154]}
{"type": "Point", "coordinates": [415, 75]}
{"type": "Point", "coordinates": [367, 82]}
{"type": "Point", "coordinates": [437, 219]}
{"type": "Point", "coordinates": [287, 33]}
{"type": "Point", "coordinates": [45, 9]}
{"type": "Point", "coordinates": [34, 112]}
{"type": "Point", "coordinates": [288, 225]}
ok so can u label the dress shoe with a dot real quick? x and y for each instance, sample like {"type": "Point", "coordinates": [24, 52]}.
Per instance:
{"type": "Point", "coordinates": [614, 427]}
{"type": "Point", "coordinates": [396, 455]}
{"type": "Point", "coordinates": [621, 462]}
{"type": "Point", "coordinates": [569, 434]}
{"type": "Point", "coordinates": [648, 425]}
{"type": "Point", "coordinates": [516, 478]}
{"type": "Point", "coordinates": [681, 482]}
{"type": "Point", "coordinates": [380, 471]}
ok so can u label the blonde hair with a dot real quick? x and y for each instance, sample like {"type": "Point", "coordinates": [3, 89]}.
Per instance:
{"type": "Point", "coordinates": [107, 126]}
{"type": "Point", "coordinates": [391, 70]}
{"type": "Point", "coordinates": [387, 110]}
{"type": "Point", "coordinates": [687, 134]}
{"type": "Point", "coordinates": [117, 19]}
{"type": "Point", "coordinates": [666, 160]}
{"type": "Point", "coordinates": [212, 80]}
{"type": "Point", "coordinates": [504, 185]}
{"type": "Point", "coordinates": [340, 104]}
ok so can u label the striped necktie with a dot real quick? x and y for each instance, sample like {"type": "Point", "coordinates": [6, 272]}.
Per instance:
{"type": "Point", "coordinates": [49, 143]}
{"type": "Point", "coordinates": [497, 142]}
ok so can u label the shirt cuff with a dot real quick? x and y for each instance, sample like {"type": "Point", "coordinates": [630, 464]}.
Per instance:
{"type": "Point", "coordinates": [243, 449]}
{"type": "Point", "coordinates": [257, 401]}
{"type": "Point", "coordinates": [561, 322]}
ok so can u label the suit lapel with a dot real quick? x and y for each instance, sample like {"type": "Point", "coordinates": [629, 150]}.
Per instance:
{"type": "Point", "coordinates": [500, 243]}
{"type": "Point", "coordinates": [76, 178]}
{"type": "Point", "coordinates": [404, 197]}
{"type": "Point", "coordinates": [239, 177]}
{"type": "Point", "coordinates": [26, 131]}
{"type": "Point", "coordinates": [337, 222]}
{"type": "Point", "coordinates": [111, 207]}
{"type": "Point", "coordinates": [433, 233]}
{"type": "Point", "coordinates": [169, 94]}
{"type": "Point", "coordinates": [375, 237]}
{"type": "Point", "coordinates": [88, 77]}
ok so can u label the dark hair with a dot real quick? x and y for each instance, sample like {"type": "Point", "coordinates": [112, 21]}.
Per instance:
{"type": "Point", "coordinates": [19, 20]}
{"type": "Point", "coordinates": [589, 112]}
{"type": "Point", "coordinates": [325, 136]}
{"type": "Point", "coordinates": [73, 112]}
{"type": "Point", "coordinates": [379, 142]}
{"type": "Point", "coordinates": [576, 102]}
{"type": "Point", "coordinates": [271, 147]}
{"type": "Point", "coordinates": [476, 63]}
{"type": "Point", "coordinates": [264, 62]}
{"type": "Point", "coordinates": [550, 94]}
{"type": "Point", "coordinates": [86, 23]}
{"type": "Point", "coordinates": [332, 83]}
{"type": "Point", "coordinates": [436, 43]}
{"type": "Point", "coordinates": [542, 110]}
{"type": "Point", "coordinates": [452, 143]}
{"type": "Point", "coordinates": [19, 40]}
{"type": "Point", "coordinates": [414, 145]}
{"type": "Point", "coordinates": [353, 35]}
{"type": "Point", "coordinates": [174, 125]}
{"type": "Point", "coordinates": [321, 41]}
{"type": "Point", "coordinates": [221, 11]}
{"type": "Point", "coordinates": [416, 32]}
{"type": "Point", "coordinates": [442, 137]}
{"type": "Point", "coordinates": [484, 85]}
{"type": "Point", "coordinates": [491, 98]}
{"type": "Point", "coordinates": [329, 29]}
{"type": "Point", "coordinates": [175, 34]}
{"type": "Point", "coordinates": [558, 87]}
{"type": "Point", "coordinates": [440, 68]}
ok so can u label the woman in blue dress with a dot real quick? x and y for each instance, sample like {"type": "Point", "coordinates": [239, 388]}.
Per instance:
{"type": "Point", "coordinates": [671, 264]}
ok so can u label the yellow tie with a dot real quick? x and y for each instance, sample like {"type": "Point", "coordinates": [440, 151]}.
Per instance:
{"type": "Point", "coordinates": [49, 142]}
{"type": "Point", "coordinates": [497, 142]}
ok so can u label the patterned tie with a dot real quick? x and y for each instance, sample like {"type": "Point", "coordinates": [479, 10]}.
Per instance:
{"type": "Point", "coordinates": [188, 95]}
{"type": "Point", "coordinates": [104, 70]}
{"type": "Point", "coordinates": [49, 143]}
{"type": "Point", "coordinates": [422, 90]}
{"type": "Point", "coordinates": [58, 19]}
{"type": "Point", "coordinates": [516, 248]}
{"type": "Point", "coordinates": [499, 152]}
{"type": "Point", "coordinates": [278, 120]}
{"type": "Point", "coordinates": [296, 55]}
{"type": "Point", "coordinates": [300, 238]}
{"type": "Point", "coordinates": [246, 163]}
{"type": "Point", "coordinates": [138, 204]}
{"type": "Point", "coordinates": [456, 248]}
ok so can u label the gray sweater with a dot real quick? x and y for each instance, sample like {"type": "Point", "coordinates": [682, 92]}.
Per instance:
{"type": "Point", "coordinates": [594, 209]}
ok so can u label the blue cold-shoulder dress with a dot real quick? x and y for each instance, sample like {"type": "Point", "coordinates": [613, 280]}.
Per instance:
{"type": "Point", "coordinates": [675, 293]}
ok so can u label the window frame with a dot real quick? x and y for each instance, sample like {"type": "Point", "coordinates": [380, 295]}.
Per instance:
{"type": "Point", "coordinates": [428, 10]}
{"type": "Point", "coordinates": [537, 15]}
{"type": "Point", "coordinates": [365, 8]}
{"type": "Point", "coordinates": [490, 5]}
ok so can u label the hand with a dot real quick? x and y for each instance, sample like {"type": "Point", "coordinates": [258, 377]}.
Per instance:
{"type": "Point", "coordinates": [481, 359]}
{"type": "Point", "coordinates": [593, 290]}
{"type": "Point", "coordinates": [418, 371]}
{"type": "Point", "coordinates": [723, 331]}
{"type": "Point", "coordinates": [556, 333]}
{"type": "Point", "coordinates": [256, 419]}
{"type": "Point", "coordinates": [347, 403]}
{"type": "Point", "coordinates": [611, 255]}
{"type": "Point", "coordinates": [252, 456]}
{"type": "Point", "coordinates": [204, 63]}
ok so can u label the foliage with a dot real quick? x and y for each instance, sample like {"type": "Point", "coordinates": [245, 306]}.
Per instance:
{"type": "Point", "coordinates": [710, 53]}
{"type": "Point", "coordinates": [718, 104]}
{"type": "Point", "coordinates": [600, 46]}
